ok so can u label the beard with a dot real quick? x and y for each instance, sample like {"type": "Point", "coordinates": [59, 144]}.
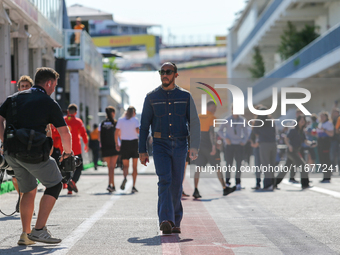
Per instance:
{"type": "Point", "coordinates": [167, 83]}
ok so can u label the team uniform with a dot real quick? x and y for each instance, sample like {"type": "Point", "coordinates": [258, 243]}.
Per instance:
{"type": "Point", "coordinates": [204, 156]}
{"type": "Point", "coordinates": [77, 130]}
{"type": "Point", "coordinates": [107, 138]}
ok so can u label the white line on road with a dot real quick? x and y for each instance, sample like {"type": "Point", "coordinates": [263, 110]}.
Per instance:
{"type": "Point", "coordinates": [67, 244]}
{"type": "Point", "coordinates": [316, 189]}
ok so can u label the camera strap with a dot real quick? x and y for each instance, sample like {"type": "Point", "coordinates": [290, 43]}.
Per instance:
{"type": "Point", "coordinates": [14, 109]}
{"type": "Point", "coordinates": [8, 215]}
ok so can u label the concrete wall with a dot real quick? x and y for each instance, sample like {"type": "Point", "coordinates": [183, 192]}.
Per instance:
{"type": "Point", "coordinates": [334, 10]}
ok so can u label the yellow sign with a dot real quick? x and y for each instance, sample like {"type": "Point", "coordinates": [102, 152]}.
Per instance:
{"type": "Point", "coordinates": [125, 40]}
{"type": "Point", "coordinates": [221, 40]}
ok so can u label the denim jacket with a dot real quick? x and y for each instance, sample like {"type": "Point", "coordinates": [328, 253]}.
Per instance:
{"type": "Point", "coordinates": [169, 113]}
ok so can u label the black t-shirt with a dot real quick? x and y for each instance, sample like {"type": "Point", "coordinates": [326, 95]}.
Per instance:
{"type": "Point", "coordinates": [296, 138]}
{"type": "Point", "coordinates": [35, 109]}
{"type": "Point", "coordinates": [107, 134]}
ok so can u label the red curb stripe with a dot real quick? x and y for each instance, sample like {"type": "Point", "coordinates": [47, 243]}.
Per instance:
{"type": "Point", "coordinates": [200, 234]}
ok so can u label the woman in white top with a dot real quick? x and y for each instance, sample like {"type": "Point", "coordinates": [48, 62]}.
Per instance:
{"type": "Point", "coordinates": [127, 131]}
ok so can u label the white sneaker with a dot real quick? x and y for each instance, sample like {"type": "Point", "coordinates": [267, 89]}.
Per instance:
{"type": "Point", "coordinates": [238, 187]}
{"type": "Point", "coordinates": [24, 240]}
{"type": "Point", "coordinates": [43, 236]}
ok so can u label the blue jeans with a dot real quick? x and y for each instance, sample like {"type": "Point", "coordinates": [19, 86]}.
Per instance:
{"type": "Point", "coordinates": [169, 157]}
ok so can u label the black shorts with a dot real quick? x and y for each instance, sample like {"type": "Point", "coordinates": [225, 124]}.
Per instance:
{"type": "Point", "coordinates": [204, 158]}
{"type": "Point", "coordinates": [129, 149]}
{"type": "Point", "coordinates": [109, 152]}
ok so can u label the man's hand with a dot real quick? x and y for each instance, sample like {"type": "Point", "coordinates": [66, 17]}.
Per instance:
{"type": "Point", "coordinates": [242, 144]}
{"type": "Point", "coordinates": [193, 153]}
{"type": "Point", "coordinates": [144, 158]}
{"type": "Point", "coordinates": [213, 151]}
{"type": "Point", "coordinates": [86, 149]}
{"type": "Point", "coordinates": [227, 141]}
{"type": "Point", "coordinates": [66, 155]}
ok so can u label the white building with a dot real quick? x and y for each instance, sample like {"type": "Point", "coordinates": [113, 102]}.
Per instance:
{"type": "Point", "coordinates": [110, 93]}
{"type": "Point", "coordinates": [315, 67]}
{"type": "Point", "coordinates": [30, 30]}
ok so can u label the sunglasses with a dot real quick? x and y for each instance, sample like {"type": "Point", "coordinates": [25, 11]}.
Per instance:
{"type": "Point", "coordinates": [167, 72]}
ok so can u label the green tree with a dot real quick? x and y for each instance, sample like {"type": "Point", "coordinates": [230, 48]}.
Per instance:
{"type": "Point", "coordinates": [292, 41]}
{"type": "Point", "coordinates": [258, 69]}
{"type": "Point", "coordinates": [110, 63]}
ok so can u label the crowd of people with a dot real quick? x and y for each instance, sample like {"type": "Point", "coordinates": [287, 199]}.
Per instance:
{"type": "Point", "coordinates": [170, 113]}
{"type": "Point", "coordinates": [311, 144]}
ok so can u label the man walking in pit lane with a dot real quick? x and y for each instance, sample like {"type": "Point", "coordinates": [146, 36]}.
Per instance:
{"type": "Point", "coordinates": [208, 152]}
{"type": "Point", "coordinates": [235, 135]}
{"type": "Point", "coordinates": [170, 111]}
{"type": "Point", "coordinates": [77, 129]}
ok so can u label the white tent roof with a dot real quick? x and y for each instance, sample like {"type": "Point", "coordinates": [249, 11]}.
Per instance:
{"type": "Point", "coordinates": [86, 13]}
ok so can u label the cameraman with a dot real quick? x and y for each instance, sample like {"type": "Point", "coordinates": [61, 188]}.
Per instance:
{"type": "Point", "coordinates": [34, 109]}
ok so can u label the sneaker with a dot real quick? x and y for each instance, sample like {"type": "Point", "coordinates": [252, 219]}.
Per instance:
{"type": "Point", "coordinates": [17, 207]}
{"type": "Point", "coordinates": [325, 181]}
{"type": "Point", "coordinates": [238, 187]}
{"type": "Point", "coordinates": [43, 236]}
{"type": "Point", "coordinates": [307, 187]}
{"type": "Point", "coordinates": [122, 187]}
{"type": "Point", "coordinates": [196, 194]}
{"type": "Point", "coordinates": [166, 227]}
{"type": "Point", "coordinates": [134, 190]}
{"type": "Point", "coordinates": [73, 186]}
{"type": "Point", "coordinates": [270, 188]}
{"type": "Point", "coordinates": [69, 192]}
{"type": "Point", "coordinates": [24, 240]}
{"type": "Point", "coordinates": [184, 194]}
{"type": "Point", "coordinates": [257, 187]}
{"type": "Point", "coordinates": [293, 181]}
{"type": "Point", "coordinates": [176, 230]}
{"type": "Point", "coordinates": [111, 189]}
{"type": "Point", "coordinates": [228, 190]}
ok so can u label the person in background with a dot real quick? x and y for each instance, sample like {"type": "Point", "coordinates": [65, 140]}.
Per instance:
{"type": "Point", "coordinates": [25, 82]}
{"type": "Point", "coordinates": [208, 152]}
{"type": "Point", "coordinates": [235, 135]}
{"type": "Point", "coordinates": [312, 135]}
{"type": "Point", "coordinates": [266, 136]}
{"type": "Point", "coordinates": [294, 141]}
{"type": "Point", "coordinates": [78, 26]}
{"type": "Point", "coordinates": [94, 145]}
{"type": "Point", "coordinates": [334, 151]}
{"type": "Point", "coordinates": [77, 129]}
{"type": "Point", "coordinates": [325, 132]}
{"type": "Point", "coordinates": [127, 132]}
{"type": "Point", "coordinates": [107, 131]}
